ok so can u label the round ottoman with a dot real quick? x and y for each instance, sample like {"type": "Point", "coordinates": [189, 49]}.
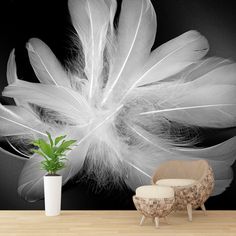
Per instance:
{"type": "Point", "coordinates": [154, 202]}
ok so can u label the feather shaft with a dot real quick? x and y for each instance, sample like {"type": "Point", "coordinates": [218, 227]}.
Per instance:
{"type": "Point", "coordinates": [14, 148]}
{"type": "Point", "coordinates": [185, 108]}
{"type": "Point", "coordinates": [93, 53]}
{"type": "Point", "coordinates": [32, 51]}
{"type": "Point", "coordinates": [126, 59]}
{"type": "Point", "coordinates": [22, 125]}
{"type": "Point", "coordinates": [158, 64]}
{"type": "Point", "coordinates": [148, 140]}
{"type": "Point", "coordinates": [138, 169]}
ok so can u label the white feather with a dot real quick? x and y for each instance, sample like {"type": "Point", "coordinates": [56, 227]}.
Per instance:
{"type": "Point", "coordinates": [17, 121]}
{"type": "Point", "coordinates": [56, 98]}
{"type": "Point", "coordinates": [137, 18]}
{"type": "Point", "coordinates": [46, 66]}
{"type": "Point", "coordinates": [216, 113]}
{"type": "Point", "coordinates": [12, 74]}
{"type": "Point", "coordinates": [112, 5]}
{"type": "Point", "coordinates": [11, 68]}
{"type": "Point", "coordinates": [171, 58]}
{"type": "Point", "coordinates": [91, 20]}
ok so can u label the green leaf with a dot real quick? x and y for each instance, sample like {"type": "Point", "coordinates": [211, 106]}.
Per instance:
{"type": "Point", "coordinates": [64, 146]}
{"type": "Point", "coordinates": [50, 138]}
{"type": "Point", "coordinates": [36, 143]}
{"type": "Point", "coordinates": [39, 152]}
{"type": "Point", "coordinates": [45, 147]}
{"type": "Point", "coordinates": [59, 138]}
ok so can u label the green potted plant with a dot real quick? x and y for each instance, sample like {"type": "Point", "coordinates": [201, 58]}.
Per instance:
{"type": "Point", "coordinates": [54, 154]}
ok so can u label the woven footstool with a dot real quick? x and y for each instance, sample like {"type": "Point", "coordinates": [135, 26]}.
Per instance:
{"type": "Point", "coordinates": [154, 202]}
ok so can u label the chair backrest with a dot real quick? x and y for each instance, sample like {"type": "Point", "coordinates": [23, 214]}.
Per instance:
{"type": "Point", "coordinates": [181, 169]}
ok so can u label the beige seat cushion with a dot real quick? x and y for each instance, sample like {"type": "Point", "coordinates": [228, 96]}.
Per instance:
{"type": "Point", "coordinates": [154, 191]}
{"type": "Point", "coordinates": [175, 182]}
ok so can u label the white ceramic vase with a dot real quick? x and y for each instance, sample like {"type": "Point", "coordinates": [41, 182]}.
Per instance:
{"type": "Point", "coordinates": [52, 195]}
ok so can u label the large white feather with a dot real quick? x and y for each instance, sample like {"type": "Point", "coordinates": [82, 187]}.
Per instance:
{"type": "Point", "coordinates": [18, 121]}
{"type": "Point", "coordinates": [222, 74]}
{"type": "Point", "coordinates": [171, 58]}
{"type": "Point", "coordinates": [112, 5]}
{"type": "Point", "coordinates": [72, 104]}
{"type": "Point", "coordinates": [46, 66]}
{"type": "Point", "coordinates": [136, 34]}
{"type": "Point", "coordinates": [202, 68]}
{"type": "Point", "coordinates": [91, 20]}
{"type": "Point", "coordinates": [217, 102]}
{"type": "Point", "coordinates": [11, 68]}
{"type": "Point", "coordinates": [12, 74]}
{"type": "Point", "coordinates": [174, 55]}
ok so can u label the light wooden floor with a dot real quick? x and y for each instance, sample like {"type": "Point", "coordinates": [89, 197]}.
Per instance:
{"type": "Point", "coordinates": [114, 223]}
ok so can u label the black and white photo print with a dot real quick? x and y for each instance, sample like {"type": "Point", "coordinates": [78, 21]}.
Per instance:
{"type": "Point", "coordinates": [135, 82]}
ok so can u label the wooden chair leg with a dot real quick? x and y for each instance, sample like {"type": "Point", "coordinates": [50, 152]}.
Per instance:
{"type": "Point", "coordinates": [142, 220]}
{"type": "Point", "coordinates": [203, 209]}
{"type": "Point", "coordinates": [157, 222]}
{"type": "Point", "coordinates": [190, 212]}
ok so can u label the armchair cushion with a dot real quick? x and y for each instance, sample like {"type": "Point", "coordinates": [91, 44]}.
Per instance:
{"type": "Point", "coordinates": [175, 182]}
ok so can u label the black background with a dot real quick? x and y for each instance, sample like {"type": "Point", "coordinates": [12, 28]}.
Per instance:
{"type": "Point", "coordinates": [50, 21]}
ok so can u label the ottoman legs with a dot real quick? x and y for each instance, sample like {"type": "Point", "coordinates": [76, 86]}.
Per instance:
{"type": "Point", "coordinates": [157, 222]}
{"type": "Point", "coordinates": [190, 213]}
{"type": "Point", "coordinates": [203, 208]}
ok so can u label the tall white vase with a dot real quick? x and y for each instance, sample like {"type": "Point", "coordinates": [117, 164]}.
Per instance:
{"type": "Point", "coordinates": [52, 195]}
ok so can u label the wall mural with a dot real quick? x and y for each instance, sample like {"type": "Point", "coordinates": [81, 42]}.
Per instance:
{"type": "Point", "coordinates": [129, 107]}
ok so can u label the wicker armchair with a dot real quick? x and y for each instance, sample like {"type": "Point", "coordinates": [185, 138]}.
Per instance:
{"type": "Point", "coordinates": [193, 183]}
